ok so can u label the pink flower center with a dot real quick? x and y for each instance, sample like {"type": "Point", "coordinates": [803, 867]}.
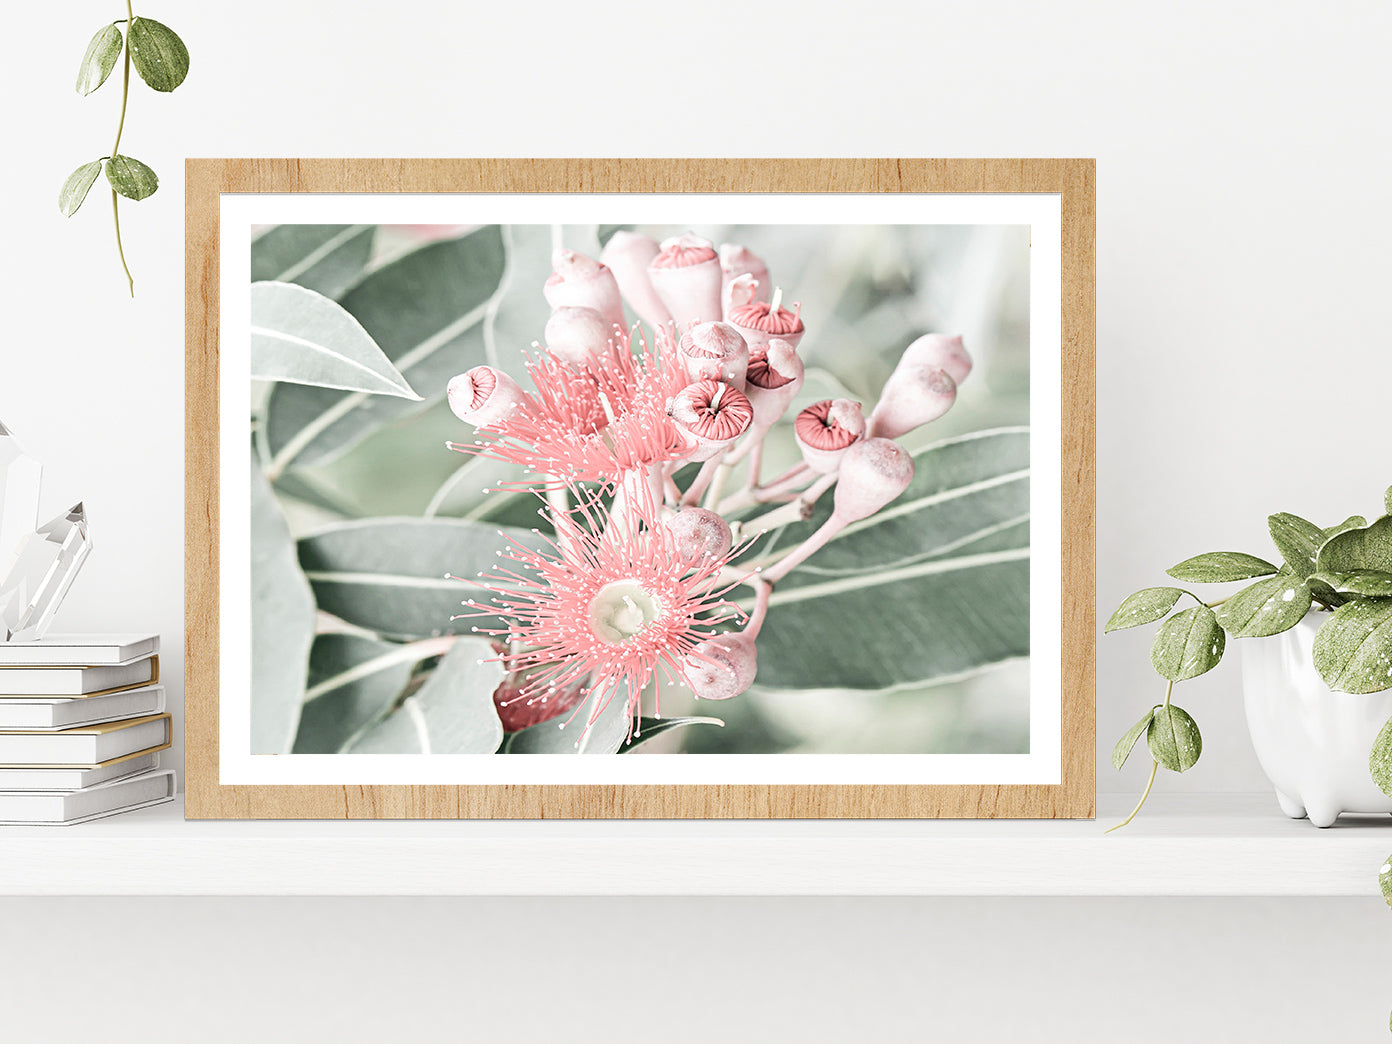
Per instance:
{"type": "Point", "coordinates": [761, 374]}
{"type": "Point", "coordinates": [762, 316]}
{"type": "Point", "coordinates": [621, 609]}
{"type": "Point", "coordinates": [683, 255]}
{"type": "Point", "coordinates": [816, 427]}
{"type": "Point", "coordinates": [713, 410]}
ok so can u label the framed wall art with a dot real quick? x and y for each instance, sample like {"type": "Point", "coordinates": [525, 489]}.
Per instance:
{"type": "Point", "coordinates": [640, 488]}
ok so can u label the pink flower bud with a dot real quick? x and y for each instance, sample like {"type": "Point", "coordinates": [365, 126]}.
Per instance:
{"type": "Point", "coordinates": [825, 430]}
{"type": "Point", "coordinates": [686, 276]}
{"type": "Point", "coordinates": [721, 667]}
{"type": "Point", "coordinates": [576, 335]}
{"type": "Point", "coordinates": [740, 266]}
{"type": "Point", "coordinates": [520, 707]}
{"type": "Point", "coordinates": [628, 255]}
{"type": "Point", "coordinates": [699, 535]}
{"type": "Point", "coordinates": [484, 397]}
{"type": "Point", "coordinates": [873, 473]}
{"type": "Point", "coordinates": [714, 351]}
{"type": "Point", "coordinates": [713, 414]}
{"type": "Point", "coordinates": [761, 321]}
{"type": "Point", "coordinates": [913, 395]}
{"type": "Point", "coordinates": [583, 282]}
{"type": "Point", "coordinates": [773, 380]}
{"type": "Point", "coordinates": [940, 352]}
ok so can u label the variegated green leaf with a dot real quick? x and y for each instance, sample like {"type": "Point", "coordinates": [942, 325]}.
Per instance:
{"type": "Point", "coordinates": [1265, 608]}
{"type": "Point", "coordinates": [1173, 738]}
{"type": "Point", "coordinates": [1298, 541]}
{"type": "Point", "coordinates": [1362, 547]}
{"type": "Point", "coordinates": [1188, 644]}
{"type": "Point", "coordinates": [1143, 607]}
{"type": "Point", "coordinates": [1366, 583]}
{"type": "Point", "coordinates": [1353, 649]}
{"type": "Point", "coordinates": [100, 59]}
{"type": "Point", "coordinates": [1124, 746]}
{"type": "Point", "coordinates": [1219, 567]}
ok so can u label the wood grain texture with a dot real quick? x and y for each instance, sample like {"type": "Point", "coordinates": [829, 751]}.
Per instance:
{"type": "Point", "coordinates": [1072, 179]}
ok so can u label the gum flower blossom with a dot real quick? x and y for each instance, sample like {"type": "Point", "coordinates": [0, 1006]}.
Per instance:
{"type": "Point", "coordinates": [605, 608]}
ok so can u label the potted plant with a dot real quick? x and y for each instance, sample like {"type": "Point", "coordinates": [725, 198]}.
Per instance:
{"type": "Point", "coordinates": [1317, 691]}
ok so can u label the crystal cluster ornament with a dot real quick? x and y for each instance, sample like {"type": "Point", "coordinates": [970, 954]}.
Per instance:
{"type": "Point", "coordinates": [37, 566]}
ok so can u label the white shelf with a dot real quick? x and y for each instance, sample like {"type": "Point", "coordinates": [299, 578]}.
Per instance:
{"type": "Point", "coordinates": [1209, 845]}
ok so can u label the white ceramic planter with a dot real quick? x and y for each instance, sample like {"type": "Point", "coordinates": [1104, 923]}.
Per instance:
{"type": "Point", "coordinates": [1312, 742]}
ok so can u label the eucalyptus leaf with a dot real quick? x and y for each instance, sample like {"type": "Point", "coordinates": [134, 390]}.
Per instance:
{"type": "Point", "coordinates": [651, 728]}
{"type": "Point", "coordinates": [301, 336]}
{"type": "Point", "coordinates": [282, 625]}
{"type": "Point", "coordinates": [606, 232]}
{"type": "Point", "coordinates": [130, 177]}
{"type": "Point", "coordinates": [566, 735]}
{"type": "Point", "coordinates": [1173, 738]}
{"type": "Point", "coordinates": [1127, 743]}
{"type": "Point", "coordinates": [354, 681]}
{"type": "Point", "coordinates": [425, 310]}
{"type": "Point", "coordinates": [1366, 583]}
{"type": "Point", "coordinates": [326, 258]}
{"type": "Point", "coordinates": [1366, 547]}
{"type": "Point", "coordinates": [934, 586]}
{"type": "Point", "coordinates": [157, 53]}
{"type": "Point", "coordinates": [100, 59]}
{"type": "Point", "coordinates": [452, 713]}
{"type": "Point", "coordinates": [1143, 607]}
{"type": "Point", "coordinates": [1298, 541]}
{"type": "Point", "coordinates": [1265, 608]}
{"type": "Point", "coordinates": [1353, 649]}
{"type": "Point", "coordinates": [1188, 644]}
{"type": "Point", "coordinates": [388, 574]}
{"type": "Point", "coordinates": [1218, 567]}
{"type": "Point", "coordinates": [1380, 761]}
{"type": "Point", "coordinates": [76, 187]}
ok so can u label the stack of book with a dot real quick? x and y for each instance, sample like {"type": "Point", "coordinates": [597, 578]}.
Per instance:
{"type": "Point", "coordinates": [82, 723]}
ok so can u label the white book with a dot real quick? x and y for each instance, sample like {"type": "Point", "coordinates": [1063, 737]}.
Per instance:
{"type": "Point", "coordinates": [77, 681]}
{"type": "Point", "coordinates": [49, 714]}
{"type": "Point", "coordinates": [79, 650]}
{"type": "Point", "coordinates": [63, 808]}
{"type": "Point", "coordinates": [86, 746]}
{"type": "Point", "coordinates": [42, 778]}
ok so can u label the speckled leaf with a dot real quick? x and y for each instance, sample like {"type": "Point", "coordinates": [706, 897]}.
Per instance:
{"type": "Point", "coordinates": [1122, 750]}
{"type": "Point", "coordinates": [1387, 500]}
{"type": "Point", "coordinates": [1353, 650]}
{"type": "Point", "coordinates": [1380, 765]}
{"type": "Point", "coordinates": [1366, 583]}
{"type": "Point", "coordinates": [130, 177]}
{"type": "Point", "coordinates": [282, 625]}
{"type": "Point", "coordinates": [1352, 522]}
{"type": "Point", "coordinates": [1385, 878]}
{"type": "Point", "coordinates": [1267, 607]}
{"type": "Point", "coordinates": [1143, 607]}
{"type": "Point", "coordinates": [1298, 541]}
{"type": "Point", "coordinates": [388, 574]}
{"type": "Point", "coordinates": [353, 682]}
{"type": "Point", "coordinates": [324, 258]}
{"type": "Point", "coordinates": [75, 189]}
{"type": "Point", "coordinates": [99, 60]}
{"type": "Point", "coordinates": [1218, 567]}
{"type": "Point", "coordinates": [452, 713]}
{"type": "Point", "coordinates": [157, 53]}
{"type": "Point", "coordinates": [1188, 644]}
{"type": "Point", "coordinates": [1368, 547]}
{"type": "Point", "coordinates": [1173, 738]}
{"type": "Point", "coordinates": [425, 310]}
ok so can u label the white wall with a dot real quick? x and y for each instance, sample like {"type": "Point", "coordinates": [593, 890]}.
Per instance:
{"type": "Point", "coordinates": [1243, 218]}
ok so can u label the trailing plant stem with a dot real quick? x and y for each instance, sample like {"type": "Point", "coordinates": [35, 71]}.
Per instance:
{"type": "Point", "coordinates": [116, 148]}
{"type": "Point", "coordinates": [1154, 768]}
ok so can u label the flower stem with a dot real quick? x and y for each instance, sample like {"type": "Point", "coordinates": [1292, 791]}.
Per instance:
{"type": "Point", "coordinates": [1154, 767]}
{"type": "Point", "coordinates": [116, 148]}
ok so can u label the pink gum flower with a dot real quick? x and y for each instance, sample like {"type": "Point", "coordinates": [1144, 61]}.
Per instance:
{"type": "Point", "coordinates": [485, 397]}
{"type": "Point", "coordinates": [825, 430]}
{"type": "Point", "coordinates": [714, 351]}
{"type": "Point", "coordinates": [742, 264]}
{"type": "Point", "coordinates": [940, 352]}
{"type": "Point", "coordinates": [686, 276]}
{"type": "Point", "coordinates": [577, 335]}
{"type": "Point", "coordinates": [913, 395]}
{"type": "Point", "coordinates": [583, 282]}
{"type": "Point", "coordinates": [518, 709]}
{"type": "Point", "coordinates": [713, 414]}
{"type": "Point", "coordinates": [761, 321]}
{"type": "Point", "coordinates": [628, 255]}
{"type": "Point", "coordinates": [722, 667]}
{"type": "Point", "coordinates": [772, 381]}
{"type": "Point", "coordinates": [699, 534]}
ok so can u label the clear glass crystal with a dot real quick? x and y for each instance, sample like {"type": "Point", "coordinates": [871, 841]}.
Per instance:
{"type": "Point", "coordinates": [41, 573]}
{"type": "Point", "coordinates": [20, 475]}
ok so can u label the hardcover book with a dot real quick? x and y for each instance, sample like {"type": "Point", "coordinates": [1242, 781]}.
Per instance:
{"type": "Point", "coordinates": [63, 808]}
{"type": "Point", "coordinates": [87, 746]}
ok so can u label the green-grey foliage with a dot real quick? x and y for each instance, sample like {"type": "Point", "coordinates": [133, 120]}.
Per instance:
{"type": "Point", "coordinates": [1127, 743]}
{"type": "Point", "coordinates": [1173, 738]}
{"type": "Point", "coordinates": [99, 59]}
{"type": "Point", "coordinates": [157, 53]}
{"type": "Point", "coordinates": [75, 189]}
{"type": "Point", "coordinates": [1188, 644]}
{"type": "Point", "coordinates": [1353, 650]}
{"type": "Point", "coordinates": [1359, 547]}
{"type": "Point", "coordinates": [1218, 567]}
{"type": "Point", "coordinates": [130, 177]}
{"type": "Point", "coordinates": [1143, 607]}
{"type": "Point", "coordinates": [323, 258]}
{"type": "Point", "coordinates": [354, 681]}
{"type": "Point", "coordinates": [1265, 608]}
{"type": "Point", "coordinates": [1298, 541]}
{"type": "Point", "coordinates": [302, 337]}
{"type": "Point", "coordinates": [1369, 583]}
{"type": "Point", "coordinates": [1380, 759]}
